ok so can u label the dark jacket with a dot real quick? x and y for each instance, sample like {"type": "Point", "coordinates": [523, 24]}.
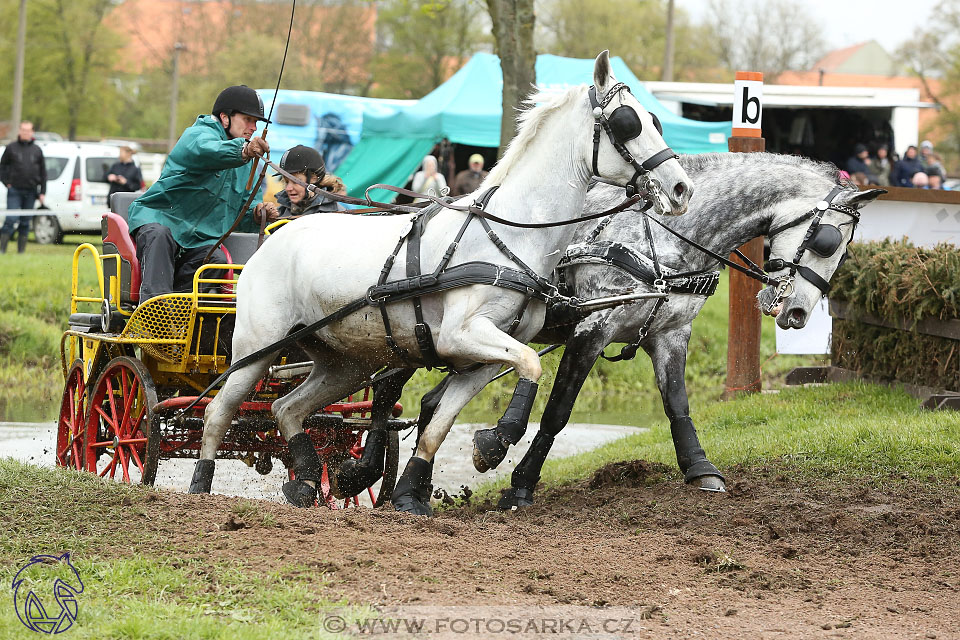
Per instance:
{"type": "Point", "coordinates": [128, 170]}
{"type": "Point", "coordinates": [856, 165]}
{"type": "Point", "coordinates": [903, 173]}
{"type": "Point", "coordinates": [201, 188]}
{"type": "Point", "coordinates": [317, 205]}
{"type": "Point", "coordinates": [22, 166]}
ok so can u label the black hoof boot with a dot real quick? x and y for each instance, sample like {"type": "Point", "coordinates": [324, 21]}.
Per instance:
{"type": "Point", "coordinates": [705, 476]}
{"type": "Point", "coordinates": [515, 498]}
{"type": "Point", "coordinates": [490, 445]}
{"type": "Point", "coordinates": [356, 475]}
{"type": "Point", "coordinates": [306, 466]}
{"type": "Point", "coordinates": [202, 476]}
{"type": "Point", "coordinates": [300, 494]}
{"type": "Point", "coordinates": [413, 490]}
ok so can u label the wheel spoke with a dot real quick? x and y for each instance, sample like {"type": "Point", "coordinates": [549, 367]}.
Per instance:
{"type": "Point", "coordinates": [136, 459]}
{"type": "Point", "coordinates": [110, 466]}
{"type": "Point", "coordinates": [124, 464]}
{"type": "Point", "coordinates": [106, 418]}
{"type": "Point", "coordinates": [113, 406]}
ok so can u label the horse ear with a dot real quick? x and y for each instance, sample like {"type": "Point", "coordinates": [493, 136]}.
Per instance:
{"type": "Point", "coordinates": [601, 72]}
{"type": "Point", "coordinates": [862, 198]}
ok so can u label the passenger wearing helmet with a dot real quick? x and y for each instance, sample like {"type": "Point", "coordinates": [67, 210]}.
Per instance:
{"type": "Point", "coordinates": [199, 194]}
{"type": "Point", "coordinates": [305, 164]}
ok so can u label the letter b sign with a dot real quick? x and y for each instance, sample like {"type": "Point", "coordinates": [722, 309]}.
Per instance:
{"type": "Point", "coordinates": [747, 103]}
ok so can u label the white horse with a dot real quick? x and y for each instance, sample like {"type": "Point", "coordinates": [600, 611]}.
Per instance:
{"type": "Point", "coordinates": [321, 263]}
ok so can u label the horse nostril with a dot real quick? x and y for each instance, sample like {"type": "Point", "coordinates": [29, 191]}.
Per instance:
{"type": "Point", "coordinates": [679, 190]}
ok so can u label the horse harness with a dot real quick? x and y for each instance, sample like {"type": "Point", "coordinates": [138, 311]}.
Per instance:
{"type": "Point", "coordinates": [622, 126]}
{"type": "Point", "coordinates": [822, 239]}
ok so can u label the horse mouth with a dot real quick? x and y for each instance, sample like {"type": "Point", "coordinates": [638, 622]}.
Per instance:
{"type": "Point", "coordinates": [792, 318]}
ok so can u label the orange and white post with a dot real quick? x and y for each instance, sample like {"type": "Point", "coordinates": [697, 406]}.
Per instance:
{"type": "Point", "coordinates": [743, 335]}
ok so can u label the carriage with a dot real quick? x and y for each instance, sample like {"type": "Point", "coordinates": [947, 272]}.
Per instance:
{"type": "Point", "coordinates": [132, 366]}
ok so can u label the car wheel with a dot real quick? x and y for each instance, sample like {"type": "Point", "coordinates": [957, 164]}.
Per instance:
{"type": "Point", "coordinates": [46, 230]}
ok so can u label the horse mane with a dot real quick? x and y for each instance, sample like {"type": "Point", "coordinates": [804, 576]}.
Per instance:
{"type": "Point", "coordinates": [528, 124]}
{"type": "Point", "coordinates": [703, 161]}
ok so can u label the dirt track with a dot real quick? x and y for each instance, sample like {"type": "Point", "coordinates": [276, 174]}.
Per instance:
{"type": "Point", "coordinates": [776, 557]}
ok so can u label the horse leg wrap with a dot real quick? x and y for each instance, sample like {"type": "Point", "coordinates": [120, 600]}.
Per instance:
{"type": "Point", "coordinates": [306, 466]}
{"type": "Point", "coordinates": [202, 476]}
{"type": "Point", "coordinates": [490, 445]}
{"type": "Point", "coordinates": [527, 474]}
{"type": "Point", "coordinates": [356, 475]}
{"type": "Point", "coordinates": [414, 488]}
{"type": "Point", "coordinates": [691, 457]}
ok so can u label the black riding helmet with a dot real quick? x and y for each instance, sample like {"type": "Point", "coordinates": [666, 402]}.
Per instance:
{"type": "Point", "coordinates": [303, 159]}
{"type": "Point", "coordinates": [239, 99]}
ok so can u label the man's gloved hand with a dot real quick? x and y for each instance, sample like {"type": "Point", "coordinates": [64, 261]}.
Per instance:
{"type": "Point", "coordinates": [267, 209]}
{"type": "Point", "coordinates": [256, 147]}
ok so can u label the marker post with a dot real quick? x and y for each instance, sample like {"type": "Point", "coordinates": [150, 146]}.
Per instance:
{"type": "Point", "coordinates": [743, 336]}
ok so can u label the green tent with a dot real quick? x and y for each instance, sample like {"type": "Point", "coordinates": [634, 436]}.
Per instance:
{"type": "Point", "coordinates": [466, 110]}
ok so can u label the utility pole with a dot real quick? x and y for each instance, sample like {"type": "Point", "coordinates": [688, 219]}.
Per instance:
{"type": "Point", "coordinates": [18, 74]}
{"type": "Point", "coordinates": [667, 75]}
{"type": "Point", "coordinates": [174, 96]}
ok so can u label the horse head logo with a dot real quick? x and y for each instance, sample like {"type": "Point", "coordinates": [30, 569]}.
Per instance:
{"type": "Point", "coordinates": [45, 573]}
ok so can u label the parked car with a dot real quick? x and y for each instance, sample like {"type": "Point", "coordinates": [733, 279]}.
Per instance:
{"type": "Point", "coordinates": [77, 188]}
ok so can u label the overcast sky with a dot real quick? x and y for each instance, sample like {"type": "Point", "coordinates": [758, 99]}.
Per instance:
{"type": "Point", "coordinates": [848, 22]}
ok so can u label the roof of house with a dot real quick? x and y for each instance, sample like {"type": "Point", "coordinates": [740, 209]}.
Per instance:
{"type": "Point", "coordinates": [866, 58]}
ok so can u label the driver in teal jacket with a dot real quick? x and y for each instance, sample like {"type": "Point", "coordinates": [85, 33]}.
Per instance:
{"type": "Point", "coordinates": [199, 194]}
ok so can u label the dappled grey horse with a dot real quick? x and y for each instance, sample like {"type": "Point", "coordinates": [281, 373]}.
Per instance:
{"type": "Point", "coordinates": [798, 203]}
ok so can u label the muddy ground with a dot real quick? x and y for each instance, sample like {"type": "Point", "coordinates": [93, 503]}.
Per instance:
{"type": "Point", "coordinates": [778, 556]}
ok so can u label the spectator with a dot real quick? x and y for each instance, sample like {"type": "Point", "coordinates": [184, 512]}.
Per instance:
{"type": "Point", "coordinates": [920, 180]}
{"type": "Point", "coordinates": [428, 180]}
{"type": "Point", "coordinates": [24, 171]}
{"type": "Point", "coordinates": [468, 180]}
{"type": "Point", "coordinates": [882, 166]}
{"type": "Point", "coordinates": [200, 190]}
{"type": "Point", "coordinates": [934, 179]}
{"type": "Point", "coordinates": [931, 160]}
{"type": "Point", "coordinates": [908, 166]}
{"type": "Point", "coordinates": [124, 175]}
{"type": "Point", "coordinates": [860, 162]}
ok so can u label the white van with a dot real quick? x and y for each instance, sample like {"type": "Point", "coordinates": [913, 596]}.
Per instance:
{"type": "Point", "coordinates": [77, 188]}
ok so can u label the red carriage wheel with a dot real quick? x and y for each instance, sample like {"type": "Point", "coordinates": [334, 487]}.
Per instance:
{"type": "Point", "coordinates": [122, 439]}
{"type": "Point", "coordinates": [71, 426]}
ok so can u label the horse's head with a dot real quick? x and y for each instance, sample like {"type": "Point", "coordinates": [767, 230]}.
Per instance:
{"type": "Point", "coordinates": [806, 248]}
{"type": "Point", "coordinates": [628, 146]}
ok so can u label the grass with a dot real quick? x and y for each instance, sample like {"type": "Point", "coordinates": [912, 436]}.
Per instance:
{"type": "Point", "coordinates": [145, 593]}
{"type": "Point", "coordinates": [839, 431]}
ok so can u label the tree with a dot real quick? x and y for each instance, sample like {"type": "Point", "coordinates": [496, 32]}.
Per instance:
{"type": "Point", "coordinates": [513, 25]}
{"type": "Point", "coordinates": [770, 36]}
{"type": "Point", "coordinates": [635, 30]}
{"type": "Point", "coordinates": [421, 43]}
{"type": "Point", "coordinates": [69, 55]}
{"type": "Point", "coordinates": [933, 56]}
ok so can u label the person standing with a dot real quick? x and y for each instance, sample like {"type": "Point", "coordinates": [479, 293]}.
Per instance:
{"type": "Point", "coordinates": [124, 175]}
{"type": "Point", "coordinates": [883, 166]}
{"type": "Point", "coordinates": [860, 162]}
{"type": "Point", "coordinates": [428, 180]}
{"type": "Point", "coordinates": [200, 191]}
{"type": "Point", "coordinates": [468, 180]}
{"type": "Point", "coordinates": [24, 171]}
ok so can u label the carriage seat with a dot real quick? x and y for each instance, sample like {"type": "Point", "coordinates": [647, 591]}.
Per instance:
{"type": "Point", "coordinates": [116, 239]}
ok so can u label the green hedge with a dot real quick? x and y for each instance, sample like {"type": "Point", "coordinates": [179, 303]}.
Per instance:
{"type": "Point", "coordinates": [898, 281]}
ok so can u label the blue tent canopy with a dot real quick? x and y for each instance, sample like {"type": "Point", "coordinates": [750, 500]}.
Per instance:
{"type": "Point", "coordinates": [467, 110]}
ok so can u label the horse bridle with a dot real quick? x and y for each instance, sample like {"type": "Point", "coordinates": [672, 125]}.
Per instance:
{"type": "Point", "coordinates": [622, 126]}
{"type": "Point", "coordinates": [822, 239]}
